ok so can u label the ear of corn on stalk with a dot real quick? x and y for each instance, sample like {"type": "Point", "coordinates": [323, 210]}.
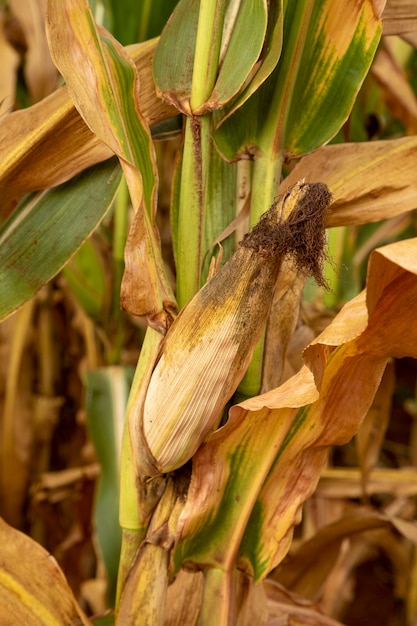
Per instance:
{"type": "Point", "coordinates": [209, 346]}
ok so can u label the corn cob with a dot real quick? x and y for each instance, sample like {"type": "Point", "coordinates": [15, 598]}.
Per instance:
{"type": "Point", "coordinates": [209, 346]}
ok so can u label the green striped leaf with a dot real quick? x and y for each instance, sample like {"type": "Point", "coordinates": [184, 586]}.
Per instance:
{"type": "Point", "coordinates": [46, 229]}
{"type": "Point", "coordinates": [86, 277]}
{"type": "Point", "coordinates": [103, 83]}
{"type": "Point", "coordinates": [107, 391]}
{"type": "Point", "coordinates": [327, 51]}
{"type": "Point", "coordinates": [135, 21]}
{"type": "Point", "coordinates": [218, 64]}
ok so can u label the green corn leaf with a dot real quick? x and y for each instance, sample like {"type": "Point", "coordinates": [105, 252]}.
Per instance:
{"type": "Point", "coordinates": [46, 229]}
{"type": "Point", "coordinates": [327, 51]}
{"type": "Point", "coordinates": [211, 67]}
{"type": "Point", "coordinates": [86, 278]}
{"type": "Point", "coordinates": [135, 21]}
{"type": "Point", "coordinates": [48, 143]}
{"type": "Point", "coordinates": [107, 391]}
{"type": "Point", "coordinates": [268, 59]}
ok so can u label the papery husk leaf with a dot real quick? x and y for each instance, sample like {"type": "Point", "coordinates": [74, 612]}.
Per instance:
{"type": "Point", "coordinates": [33, 589]}
{"type": "Point", "coordinates": [210, 344]}
{"type": "Point", "coordinates": [49, 143]}
{"type": "Point", "coordinates": [281, 325]}
{"type": "Point", "coordinates": [370, 181]}
{"type": "Point", "coordinates": [206, 353]}
{"type": "Point", "coordinates": [252, 476]}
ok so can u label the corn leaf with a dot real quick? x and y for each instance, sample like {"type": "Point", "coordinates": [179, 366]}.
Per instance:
{"type": "Point", "coordinates": [267, 459]}
{"type": "Point", "coordinates": [107, 391]}
{"type": "Point", "coordinates": [217, 67]}
{"type": "Point", "coordinates": [49, 143]}
{"type": "Point", "coordinates": [306, 570]}
{"type": "Point", "coordinates": [370, 181]}
{"type": "Point", "coordinates": [290, 608]}
{"type": "Point", "coordinates": [33, 589]}
{"type": "Point", "coordinates": [44, 232]}
{"type": "Point", "coordinates": [104, 84]}
{"type": "Point", "coordinates": [269, 56]}
{"type": "Point", "coordinates": [326, 55]}
{"type": "Point", "coordinates": [133, 21]}
{"type": "Point", "coordinates": [85, 275]}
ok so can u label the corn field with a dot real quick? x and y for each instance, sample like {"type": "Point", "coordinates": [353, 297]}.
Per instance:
{"type": "Point", "coordinates": [208, 296]}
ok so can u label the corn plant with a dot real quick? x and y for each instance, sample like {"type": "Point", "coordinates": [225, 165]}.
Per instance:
{"type": "Point", "coordinates": [220, 449]}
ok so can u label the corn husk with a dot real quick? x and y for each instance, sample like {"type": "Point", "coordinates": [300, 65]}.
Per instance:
{"type": "Point", "coordinates": [209, 346]}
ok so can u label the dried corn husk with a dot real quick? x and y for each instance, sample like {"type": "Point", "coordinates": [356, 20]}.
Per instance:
{"type": "Point", "coordinates": [209, 346]}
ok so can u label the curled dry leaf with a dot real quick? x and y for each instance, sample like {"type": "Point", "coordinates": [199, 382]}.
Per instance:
{"type": "Point", "coordinates": [307, 568]}
{"type": "Point", "coordinates": [370, 181]}
{"type": "Point", "coordinates": [104, 84]}
{"type": "Point", "coordinates": [370, 436]}
{"type": "Point", "coordinates": [289, 608]}
{"type": "Point", "coordinates": [252, 476]}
